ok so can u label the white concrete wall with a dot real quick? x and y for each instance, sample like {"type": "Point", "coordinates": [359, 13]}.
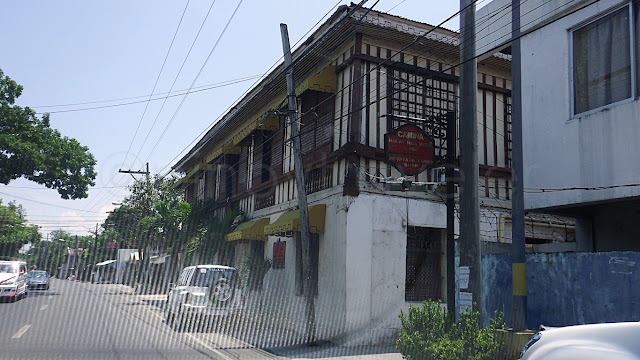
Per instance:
{"type": "Point", "coordinates": [285, 309]}
{"type": "Point", "coordinates": [376, 261]}
{"type": "Point", "coordinates": [561, 152]}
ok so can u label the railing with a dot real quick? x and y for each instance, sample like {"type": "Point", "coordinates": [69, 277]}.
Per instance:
{"type": "Point", "coordinates": [265, 198]}
{"type": "Point", "coordinates": [318, 179]}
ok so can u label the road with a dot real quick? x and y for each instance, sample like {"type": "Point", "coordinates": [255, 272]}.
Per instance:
{"type": "Point", "coordinates": [75, 320]}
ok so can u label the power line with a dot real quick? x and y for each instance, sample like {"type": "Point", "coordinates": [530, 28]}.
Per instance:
{"type": "Point", "coordinates": [224, 30]}
{"type": "Point", "coordinates": [164, 62]}
{"type": "Point", "coordinates": [175, 80]}
{"type": "Point", "coordinates": [168, 94]}
{"type": "Point", "coordinates": [273, 66]}
{"type": "Point", "coordinates": [48, 204]}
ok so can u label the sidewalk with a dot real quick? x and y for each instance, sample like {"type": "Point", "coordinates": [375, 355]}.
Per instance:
{"type": "Point", "coordinates": [331, 351]}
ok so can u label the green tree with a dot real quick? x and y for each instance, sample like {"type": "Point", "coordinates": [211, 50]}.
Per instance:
{"type": "Point", "coordinates": [30, 148]}
{"type": "Point", "coordinates": [150, 217]}
{"type": "Point", "coordinates": [14, 232]}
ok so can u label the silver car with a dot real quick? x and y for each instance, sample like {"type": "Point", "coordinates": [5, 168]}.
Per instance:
{"type": "Point", "coordinates": [611, 341]}
{"type": "Point", "coordinates": [38, 280]}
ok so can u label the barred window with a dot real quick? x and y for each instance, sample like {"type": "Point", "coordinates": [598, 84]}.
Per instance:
{"type": "Point", "coordinates": [424, 264]}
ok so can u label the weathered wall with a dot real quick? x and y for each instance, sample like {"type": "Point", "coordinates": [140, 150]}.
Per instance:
{"type": "Point", "coordinates": [568, 288]}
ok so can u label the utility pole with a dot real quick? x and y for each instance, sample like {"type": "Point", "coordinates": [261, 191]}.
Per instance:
{"type": "Point", "coordinates": [46, 254]}
{"type": "Point", "coordinates": [451, 218]}
{"type": "Point", "coordinates": [76, 264]}
{"type": "Point", "coordinates": [302, 190]}
{"type": "Point", "coordinates": [143, 258]}
{"type": "Point", "coordinates": [469, 206]}
{"type": "Point", "coordinates": [95, 250]}
{"type": "Point", "coordinates": [518, 254]}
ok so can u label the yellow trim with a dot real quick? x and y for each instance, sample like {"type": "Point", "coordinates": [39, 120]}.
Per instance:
{"type": "Point", "coordinates": [266, 122]}
{"type": "Point", "coordinates": [250, 230]}
{"type": "Point", "coordinates": [290, 221]}
{"type": "Point", "coordinates": [519, 279]}
{"type": "Point", "coordinates": [325, 81]}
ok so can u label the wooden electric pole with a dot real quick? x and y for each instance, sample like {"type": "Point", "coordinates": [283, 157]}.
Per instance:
{"type": "Point", "coordinates": [302, 191]}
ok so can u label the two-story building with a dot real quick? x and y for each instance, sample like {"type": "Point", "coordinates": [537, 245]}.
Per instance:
{"type": "Point", "coordinates": [580, 76]}
{"type": "Point", "coordinates": [378, 243]}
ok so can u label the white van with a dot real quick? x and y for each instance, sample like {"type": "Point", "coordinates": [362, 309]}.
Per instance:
{"type": "Point", "coordinates": [13, 279]}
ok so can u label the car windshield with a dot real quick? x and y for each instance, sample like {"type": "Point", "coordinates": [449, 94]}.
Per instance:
{"type": "Point", "coordinates": [7, 268]}
{"type": "Point", "coordinates": [37, 274]}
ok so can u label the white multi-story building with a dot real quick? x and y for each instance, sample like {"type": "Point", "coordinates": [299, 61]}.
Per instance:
{"type": "Point", "coordinates": [580, 111]}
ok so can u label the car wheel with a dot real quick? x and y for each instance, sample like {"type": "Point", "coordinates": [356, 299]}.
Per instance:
{"type": "Point", "coordinates": [177, 322]}
{"type": "Point", "coordinates": [222, 291]}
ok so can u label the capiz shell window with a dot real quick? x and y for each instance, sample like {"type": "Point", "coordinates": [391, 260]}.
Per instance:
{"type": "Point", "coordinates": [603, 68]}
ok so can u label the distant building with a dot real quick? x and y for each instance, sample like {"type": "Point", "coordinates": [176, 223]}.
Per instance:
{"type": "Point", "coordinates": [378, 242]}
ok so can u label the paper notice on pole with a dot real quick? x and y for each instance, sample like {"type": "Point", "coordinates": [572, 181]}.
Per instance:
{"type": "Point", "coordinates": [466, 301]}
{"type": "Point", "coordinates": [464, 276]}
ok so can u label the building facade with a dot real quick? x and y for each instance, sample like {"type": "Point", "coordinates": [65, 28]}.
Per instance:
{"type": "Point", "coordinates": [378, 235]}
{"type": "Point", "coordinates": [580, 76]}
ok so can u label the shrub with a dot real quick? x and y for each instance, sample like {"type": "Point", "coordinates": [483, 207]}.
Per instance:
{"type": "Point", "coordinates": [430, 333]}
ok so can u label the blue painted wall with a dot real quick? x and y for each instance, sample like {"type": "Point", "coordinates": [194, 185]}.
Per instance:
{"type": "Point", "coordinates": [567, 288]}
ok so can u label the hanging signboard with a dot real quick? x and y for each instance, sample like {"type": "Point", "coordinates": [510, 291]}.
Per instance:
{"type": "Point", "coordinates": [278, 254]}
{"type": "Point", "coordinates": [409, 149]}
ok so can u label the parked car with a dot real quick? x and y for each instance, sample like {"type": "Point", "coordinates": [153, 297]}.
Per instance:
{"type": "Point", "coordinates": [13, 280]}
{"type": "Point", "coordinates": [611, 341]}
{"type": "Point", "coordinates": [38, 280]}
{"type": "Point", "coordinates": [202, 292]}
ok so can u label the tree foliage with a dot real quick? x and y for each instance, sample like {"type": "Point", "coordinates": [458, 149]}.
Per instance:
{"type": "Point", "coordinates": [155, 216]}
{"type": "Point", "coordinates": [30, 148]}
{"type": "Point", "coordinates": [14, 232]}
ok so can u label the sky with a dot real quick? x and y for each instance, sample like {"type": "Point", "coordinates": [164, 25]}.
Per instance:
{"type": "Point", "coordinates": [93, 65]}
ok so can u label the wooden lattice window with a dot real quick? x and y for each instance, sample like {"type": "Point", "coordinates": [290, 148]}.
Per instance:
{"type": "Point", "coordinates": [423, 98]}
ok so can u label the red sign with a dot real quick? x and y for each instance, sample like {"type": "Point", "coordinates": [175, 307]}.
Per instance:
{"type": "Point", "coordinates": [112, 245]}
{"type": "Point", "coordinates": [409, 149]}
{"type": "Point", "coordinates": [278, 254]}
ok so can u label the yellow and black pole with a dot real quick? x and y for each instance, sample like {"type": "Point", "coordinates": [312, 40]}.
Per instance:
{"type": "Point", "coordinates": [519, 264]}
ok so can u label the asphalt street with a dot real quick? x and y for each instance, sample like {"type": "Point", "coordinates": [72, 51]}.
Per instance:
{"type": "Point", "coordinates": [76, 320]}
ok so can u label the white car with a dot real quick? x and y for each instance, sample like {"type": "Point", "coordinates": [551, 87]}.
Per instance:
{"type": "Point", "coordinates": [13, 279]}
{"type": "Point", "coordinates": [202, 291]}
{"type": "Point", "coordinates": [610, 341]}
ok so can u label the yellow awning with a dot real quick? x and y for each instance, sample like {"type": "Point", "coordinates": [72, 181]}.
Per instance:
{"type": "Point", "coordinates": [290, 221]}
{"type": "Point", "coordinates": [250, 230]}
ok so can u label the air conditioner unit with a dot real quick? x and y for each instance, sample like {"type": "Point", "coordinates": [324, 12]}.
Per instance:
{"type": "Point", "coordinates": [438, 175]}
